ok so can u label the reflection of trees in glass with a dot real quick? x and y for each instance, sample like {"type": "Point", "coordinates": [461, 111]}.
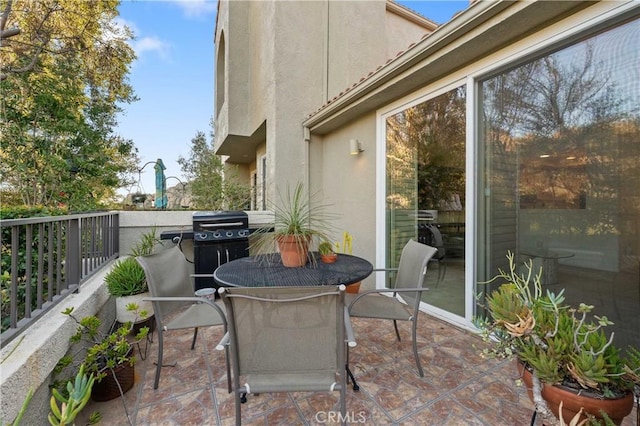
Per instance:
{"type": "Point", "coordinates": [547, 113]}
{"type": "Point", "coordinates": [401, 153]}
{"type": "Point", "coordinates": [429, 137]}
{"type": "Point", "coordinates": [556, 127]}
{"type": "Point", "coordinates": [440, 135]}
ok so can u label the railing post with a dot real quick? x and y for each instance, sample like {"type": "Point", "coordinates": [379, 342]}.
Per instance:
{"type": "Point", "coordinates": [73, 261]}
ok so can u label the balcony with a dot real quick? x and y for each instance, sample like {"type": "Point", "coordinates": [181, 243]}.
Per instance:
{"type": "Point", "coordinates": [459, 386]}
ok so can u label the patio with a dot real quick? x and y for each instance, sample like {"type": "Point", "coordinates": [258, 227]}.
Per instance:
{"type": "Point", "coordinates": [459, 387]}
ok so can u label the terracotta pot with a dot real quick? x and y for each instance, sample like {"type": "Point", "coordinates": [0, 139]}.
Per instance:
{"type": "Point", "coordinates": [616, 409]}
{"type": "Point", "coordinates": [354, 288]}
{"type": "Point", "coordinates": [329, 258]}
{"type": "Point", "coordinates": [293, 250]}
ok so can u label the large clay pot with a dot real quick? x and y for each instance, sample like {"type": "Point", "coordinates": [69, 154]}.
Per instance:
{"type": "Point", "coordinates": [616, 409]}
{"type": "Point", "coordinates": [293, 250]}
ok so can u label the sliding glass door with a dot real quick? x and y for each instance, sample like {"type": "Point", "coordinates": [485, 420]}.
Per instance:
{"type": "Point", "coordinates": [560, 137]}
{"type": "Point", "coordinates": [425, 191]}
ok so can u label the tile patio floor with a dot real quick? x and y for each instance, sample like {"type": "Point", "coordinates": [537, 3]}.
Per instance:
{"type": "Point", "coordinates": [459, 387]}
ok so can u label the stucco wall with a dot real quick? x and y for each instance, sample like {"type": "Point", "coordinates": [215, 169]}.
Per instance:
{"type": "Point", "coordinates": [347, 182]}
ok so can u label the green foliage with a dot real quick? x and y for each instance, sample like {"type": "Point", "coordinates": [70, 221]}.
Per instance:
{"type": "Point", "coordinates": [563, 345]}
{"type": "Point", "coordinates": [40, 235]}
{"type": "Point", "coordinates": [63, 79]}
{"type": "Point", "coordinates": [126, 278]}
{"type": "Point", "coordinates": [146, 244]}
{"type": "Point", "coordinates": [104, 351]}
{"type": "Point", "coordinates": [78, 394]}
{"type": "Point", "coordinates": [296, 214]}
{"type": "Point", "coordinates": [23, 408]}
{"type": "Point", "coordinates": [214, 186]}
{"type": "Point", "coordinates": [325, 248]}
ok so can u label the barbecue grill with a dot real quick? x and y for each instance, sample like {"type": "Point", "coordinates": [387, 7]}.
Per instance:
{"type": "Point", "coordinates": [218, 237]}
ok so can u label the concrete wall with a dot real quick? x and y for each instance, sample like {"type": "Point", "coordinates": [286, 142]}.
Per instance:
{"type": "Point", "coordinates": [28, 361]}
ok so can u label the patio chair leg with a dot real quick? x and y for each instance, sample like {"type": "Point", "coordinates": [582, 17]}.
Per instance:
{"type": "Point", "coordinates": [395, 325]}
{"type": "Point", "coordinates": [533, 417]}
{"type": "Point", "coordinates": [353, 379]}
{"type": "Point", "coordinates": [415, 347]}
{"type": "Point", "coordinates": [195, 336]}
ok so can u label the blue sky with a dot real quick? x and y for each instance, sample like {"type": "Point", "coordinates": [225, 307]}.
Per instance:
{"type": "Point", "coordinates": [173, 77]}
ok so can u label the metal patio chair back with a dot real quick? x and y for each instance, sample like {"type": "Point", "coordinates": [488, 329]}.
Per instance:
{"type": "Point", "coordinates": [175, 305]}
{"type": "Point", "coordinates": [287, 339]}
{"type": "Point", "coordinates": [404, 303]}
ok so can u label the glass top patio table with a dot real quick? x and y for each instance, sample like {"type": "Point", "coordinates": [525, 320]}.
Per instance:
{"type": "Point", "coordinates": [268, 271]}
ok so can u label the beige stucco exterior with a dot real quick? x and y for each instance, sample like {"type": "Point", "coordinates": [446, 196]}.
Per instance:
{"type": "Point", "coordinates": [282, 60]}
{"type": "Point", "coordinates": [339, 106]}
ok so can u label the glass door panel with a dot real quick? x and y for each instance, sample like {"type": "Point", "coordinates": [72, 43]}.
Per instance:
{"type": "Point", "coordinates": [561, 188]}
{"type": "Point", "coordinates": [425, 191]}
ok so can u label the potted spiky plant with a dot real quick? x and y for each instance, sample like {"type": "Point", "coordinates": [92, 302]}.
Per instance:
{"type": "Point", "coordinates": [127, 282]}
{"type": "Point", "coordinates": [563, 352]}
{"type": "Point", "coordinates": [297, 221]}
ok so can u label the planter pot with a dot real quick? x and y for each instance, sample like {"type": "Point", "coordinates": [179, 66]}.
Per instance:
{"type": "Point", "coordinates": [354, 288]}
{"type": "Point", "coordinates": [293, 250]}
{"type": "Point", "coordinates": [123, 316]}
{"type": "Point", "coordinates": [107, 389]}
{"type": "Point", "coordinates": [328, 258]}
{"type": "Point", "coordinates": [616, 409]}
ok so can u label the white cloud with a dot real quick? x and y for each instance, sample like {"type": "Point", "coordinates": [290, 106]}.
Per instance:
{"type": "Point", "coordinates": [197, 8]}
{"type": "Point", "coordinates": [142, 45]}
{"type": "Point", "coordinates": [151, 44]}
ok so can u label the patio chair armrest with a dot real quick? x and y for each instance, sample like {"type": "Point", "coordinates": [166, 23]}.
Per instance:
{"type": "Point", "coordinates": [223, 342]}
{"type": "Point", "coordinates": [385, 270]}
{"type": "Point", "coordinates": [194, 299]}
{"type": "Point", "coordinates": [351, 340]}
{"type": "Point", "coordinates": [384, 290]}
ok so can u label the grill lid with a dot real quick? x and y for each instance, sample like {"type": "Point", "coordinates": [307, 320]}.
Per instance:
{"type": "Point", "coordinates": [218, 220]}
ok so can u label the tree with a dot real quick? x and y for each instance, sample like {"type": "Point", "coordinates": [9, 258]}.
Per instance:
{"type": "Point", "coordinates": [212, 186]}
{"type": "Point", "coordinates": [65, 70]}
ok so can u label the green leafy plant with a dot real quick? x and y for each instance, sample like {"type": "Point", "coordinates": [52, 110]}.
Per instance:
{"type": "Point", "coordinates": [127, 277]}
{"type": "Point", "coordinates": [105, 351]}
{"type": "Point", "coordinates": [560, 344]}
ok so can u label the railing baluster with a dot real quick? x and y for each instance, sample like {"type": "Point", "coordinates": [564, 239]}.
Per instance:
{"type": "Point", "coordinates": [41, 229]}
{"type": "Point", "coordinates": [64, 251]}
{"type": "Point", "coordinates": [13, 309]}
{"type": "Point", "coordinates": [29, 271]}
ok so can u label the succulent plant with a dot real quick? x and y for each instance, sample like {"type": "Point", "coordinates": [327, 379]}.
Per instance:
{"type": "Point", "coordinates": [561, 344]}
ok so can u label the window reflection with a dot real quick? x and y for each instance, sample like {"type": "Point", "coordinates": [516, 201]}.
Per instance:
{"type": "Point", "coordinates": [562, 144]}
{"type": "Point", "coordinates": [426, 190]}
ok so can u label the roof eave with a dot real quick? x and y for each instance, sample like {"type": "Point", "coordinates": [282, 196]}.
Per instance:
{"type": "Point", "coordinates": [386, 84]}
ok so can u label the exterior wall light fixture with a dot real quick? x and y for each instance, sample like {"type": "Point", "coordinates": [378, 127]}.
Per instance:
{"type": "Point", "coordinates": [355, 147]}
